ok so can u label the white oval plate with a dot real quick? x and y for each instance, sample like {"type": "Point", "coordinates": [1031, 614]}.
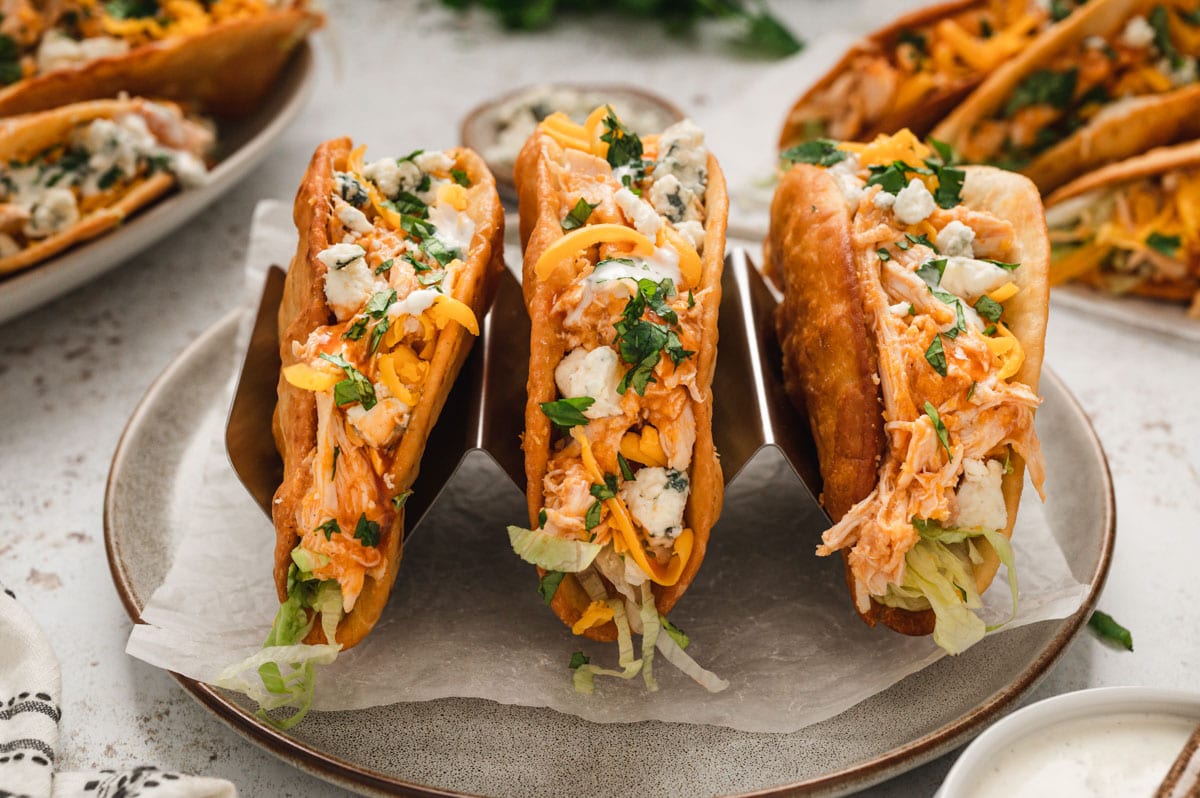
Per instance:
{"type": "Point", "coordinates": [462, 746]}
{"type": "Point", "coordinates": [243, 145]}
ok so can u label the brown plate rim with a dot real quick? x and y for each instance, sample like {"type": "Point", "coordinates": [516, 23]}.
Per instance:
{"type": "Point", "coordinates": [363, 780]}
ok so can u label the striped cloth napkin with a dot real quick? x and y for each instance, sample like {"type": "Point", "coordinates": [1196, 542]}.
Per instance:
{"type": "Point", "coordinates": [30, 710]}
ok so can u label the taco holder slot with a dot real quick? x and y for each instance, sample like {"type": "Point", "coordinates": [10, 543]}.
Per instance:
{"type": "Point", "coordinates": [484, 411]}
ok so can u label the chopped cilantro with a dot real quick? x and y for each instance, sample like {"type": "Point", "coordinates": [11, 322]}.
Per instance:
{"type": "Point", "coordinates": [385, 267]}
{"type": "Point", "coordinates": [578, 659]}
{"type": "Point", "coordinates": [691, 302]}
{"type": "Point", "coordinates": [542, 518]}
{"type": "Point", "coordinates": [400, 499]}
{"type": "Point", "coordinates": [913, 39]}
{"type": "Point", "coordinates": [624, 146]}
{"type": "Point", "coordinates": [1162, 36]}
{"type": "Point", "coordinates": [989, 308]}
{"type": "Point", "coordinates": [330, 528]}
{"type": "Point", "coordinates": [950, 183]}
{"type": "Point", "coordinates": [936, 355]}
{"type": "Point", "coordinates": [567, 413]}
{"type": "Point", "coordinates": [548, 585]}
{"type": "Point", "coordinates": [939, 428]}
{"type": "Point", "coordinates": [821, 152]}
{"type": "Point", "coordinates": [410, 204]}
{"type": "Point", "coordinates": [1167, 245]}
{"type": "Point", "coordinates": [578, 216]}
{"type": "Point", "coordinates": [131, 9]}
{"type": "Point", "coordinates": [1043, 87]}
{"type": "Point", "coordinates": [355, 388]}
{"type": "Point", "coordinates": [1107, 628]}
{"type": "Point", "coordinates": [460, 177]}
{"type": "Point", "coordinates": [971, 391]}
{"type": "Point", "coordinates": [367, 532]}
{"type": "Point", "coordinates": [356, 330]}
{"type": "Point", "coordinates": [884, 255]}
{"type": "Point", "coordinates": [923, 240]}
{"type": "Point", "coordinates": [337, 452]}
{"type": "Point", "coordinates": [626, 471]}
{"type": "Point", "coordinates": [1008, 267]}
{"type": "Point", "coordinates": [931, 272]}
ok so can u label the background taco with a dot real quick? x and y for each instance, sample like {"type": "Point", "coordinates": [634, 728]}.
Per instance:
{"type": "Point", "coordinates": [1132, 227]}
{"type": "Point", "coordinates": [911, 73]}
{"type": "Point", "coordinates": [75, 172]}
{"type": "Point", "coordinates": [221, 56]}
{"type": "Point", "coordinates": [1116, 78]}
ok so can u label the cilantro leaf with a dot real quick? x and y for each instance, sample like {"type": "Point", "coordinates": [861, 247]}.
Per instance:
{"type": "Point", "coordinates": [385, 267]}
{"type": "Point", "coordinates": [567, 413]}
{"type": "Point", "coordinates": [1167, 245]}
{"type": "Point", "coordinates": [1043, 87]}
{"type": "Point", "coordinates": [578, 216]}
{"type": "Point", "coordinates": [460, 177]}
{"type": "Point", "coordinates": [1107, 628]}
{"type": "Point", "coordinates": [367, 532]}
{"type": "Point", "coordinates": [931, 272]}
{"type": "Point", "coordinates": [1008, 267]}
{"type": "Point", "coordinates": [989, 308]}
{"type": "Point", "coordinates": [355, 388]}
{"type": "Point", "coordinates": [821, 152]}
{"type": "Point", "coordinates": [1162, 35]}
{"type": "Point", "coordinates": [592, 518]}
{"type": "Point", "coordinates": [935, 354]}
{"type": "Point", "coordinates": [950, 183]}
{"type": "Point", "coordinates": [330, 528]}
{"type": "Point", "coordinates": [131, 9]}
{"type": "Point", "coordinates": [626, 471]}
{"type": "Point", "coordinates": [548, 585]}
{"type": "Point", "coordinates": [940, 428]}
{"type": "Point", "coordinates": [578, 659]}
{"type": "Point", "coordinates": [883, 254]}
{"type": "Point", "coordinates": [624, 146]}
{"type": "Point", "coordinates": [400, 499]}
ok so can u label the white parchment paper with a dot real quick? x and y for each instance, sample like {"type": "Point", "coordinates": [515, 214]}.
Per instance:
{"type": "Point", "coordinates": [465, 618]}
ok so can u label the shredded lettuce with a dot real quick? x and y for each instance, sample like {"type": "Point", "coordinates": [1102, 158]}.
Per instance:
{"type": "Point", "coordinates": [550, 552]}
{"type": "Point", "coordinates": [939, 577]}
{"type": "Point", "coordinates": [584, 677]}
{"type": "Point", "coordinates": [670, 644]}
{"type": "Point", "coordinates": [650, 628]}
{"type": "Point", "coordinates": [680, 659]}
{"type": "Point", "coordinates": [285, 669]}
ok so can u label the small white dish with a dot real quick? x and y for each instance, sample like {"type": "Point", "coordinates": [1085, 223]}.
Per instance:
{"type": "Point", "coordinates": [1102, 736]}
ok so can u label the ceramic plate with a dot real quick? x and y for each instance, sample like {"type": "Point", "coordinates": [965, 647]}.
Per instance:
{"type": "Point", "coordinates": [470, 746]}
{"type": "Point", "coordinates": [243, 145]}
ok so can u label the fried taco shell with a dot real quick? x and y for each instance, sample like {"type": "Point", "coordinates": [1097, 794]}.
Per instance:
{"type": "Point", "coordinates": [913, 72]}
{"type": "Point", "coordinates": [74, 173]}
{"type": "Point", "coordinates": [857, 369]}
{"type": "Point", "coordinates": [224, 65]}
{"type": "Point", "coordinates": [1132, 226]}
{"type": "Point", "coordinates": [339, 461]}
{"type": "Point", "coordinates": [1115, 79]}
{"type": "Point", "coordinates": [551, 178]}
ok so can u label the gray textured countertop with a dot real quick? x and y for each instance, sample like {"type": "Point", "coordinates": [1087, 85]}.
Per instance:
{"type": "Point", "coordinates": [401, 76]}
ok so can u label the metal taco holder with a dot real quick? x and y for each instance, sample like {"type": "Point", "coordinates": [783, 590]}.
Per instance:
{"type": "Point", "coordinates": [751, 412]}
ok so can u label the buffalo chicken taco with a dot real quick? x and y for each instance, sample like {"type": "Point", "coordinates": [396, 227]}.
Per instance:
{"type": "Point", "coordinates": [624, 247]}
{"type": "Point", "coordinates": [397, 261]}
{"type": "Point", "coordinates": [912, 325]}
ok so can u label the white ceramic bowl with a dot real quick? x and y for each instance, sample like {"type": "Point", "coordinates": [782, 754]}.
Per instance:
{"type": "Point", "coordinates": [1086, 705]}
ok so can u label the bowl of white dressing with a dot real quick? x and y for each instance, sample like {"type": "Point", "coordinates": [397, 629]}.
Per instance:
{"type": "Point", "coordinates": [1109, 741]}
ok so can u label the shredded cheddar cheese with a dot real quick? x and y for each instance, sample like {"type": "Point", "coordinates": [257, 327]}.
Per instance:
{"type": "Point", "coordinates": [597, 613]}
{"type": "Point", "coordinates": [569, 246]}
